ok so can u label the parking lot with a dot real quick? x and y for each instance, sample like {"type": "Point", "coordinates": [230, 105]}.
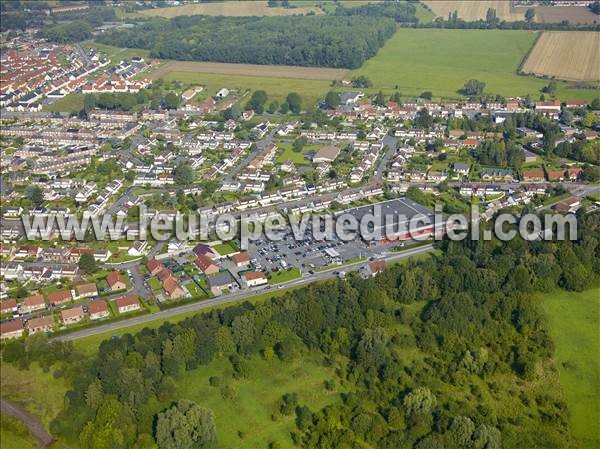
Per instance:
{"type": "Point", "coordinates": [310, 254]}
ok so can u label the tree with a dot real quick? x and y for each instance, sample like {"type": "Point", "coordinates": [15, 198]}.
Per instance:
{"type": "Point", "coordinates": [294, 101]}
{"type": "Point", "coordinates": [35, 195]}
{"type": "Point", "coordinates": [550, 88]}
{"type": "Point", "coordinates": [299, 144]}
{"type": "Point", "coordinates": [332, 99]}
{"type": "Point", "coordinates": [427, 95]}
{"type": "Point", "coordinates": [186, 425]}
{"type": "Point", "coordinates": [87, 263]}
{"type": "Point", "coordinates": [233, 113]}
{"type": "Point", "coordinates": [361, 81]}
{"type": "Point", "coordinates": [473, 88]}
{"type": "Point", "coordinates": [183, 175]}
{"type": "Point", "coordinates": [424, 119]}
{"type": "Point", "coordinates": [379, 99]}
{"type": "Point", "coordinates": [273, 107]}
{"type": "Point", "coordinates": [257, 101]}
{"type": "Point", "coordinates": [172, 101]}
{"type": "Point", "coordinates": [491, 17]}
{"type": "Point", "coordinates": [530, 15]}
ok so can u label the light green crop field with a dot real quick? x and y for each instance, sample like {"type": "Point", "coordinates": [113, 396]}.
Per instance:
{"type": "Point", "coordinates": [276, 88]}
{"type": "Point", "coordinates": [441, 61]}
{"type": "Point", "coordinates": [574, 325]}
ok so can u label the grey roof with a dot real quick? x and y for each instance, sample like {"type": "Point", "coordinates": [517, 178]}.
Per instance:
{"type": "Point", "coordinates": [221, 279]}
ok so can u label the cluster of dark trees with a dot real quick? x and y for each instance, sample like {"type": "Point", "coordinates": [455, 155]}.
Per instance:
{"type": "Point", "coordinates": [480, 334]}
{"type": "Point", "coordinates": [401, 12]}
{"type": "Point", "coordinates": [500, 153]}
{"type": "Point", "coordinates": [154, 97]}
{"type": "Point", "coordinates": [323, 41]}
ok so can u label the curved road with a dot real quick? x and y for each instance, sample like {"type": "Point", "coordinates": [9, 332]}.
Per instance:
{"type": "Point", "coordinates": [241, 294]}
{"type": "Point", "coordinates": [33, 424]}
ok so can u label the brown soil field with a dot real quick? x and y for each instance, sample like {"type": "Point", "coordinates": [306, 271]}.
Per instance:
{"type": "Point", "coordinates": [276, 71]}
{"type": "Point", "coordinates": [475, 10]}
{"type": "Point", "coordinates": [233, 8]}
{"type": "Point", "coordinates": [568, 55]}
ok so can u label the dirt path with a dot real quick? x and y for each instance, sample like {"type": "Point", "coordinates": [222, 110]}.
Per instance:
{"type": "Point", "coordinates": [32, 423]}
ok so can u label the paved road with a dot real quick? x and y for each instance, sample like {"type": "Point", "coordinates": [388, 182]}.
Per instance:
{"type": "Point", "coordinates": [242, 294]}
{"type": "Point", "coordinates": [33, 424]}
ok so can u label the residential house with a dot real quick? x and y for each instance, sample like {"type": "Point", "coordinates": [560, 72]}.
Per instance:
{"type": "Point", "coordinates": [497, 174]}
{"type": "Point", "coordinates": [73, 315]}
{"type": "Point", "coordinates": [206, 265]}
{"type": "Point", "coordinates": [202, 249]}
{"type": "Point", "coordinates": [534, 176]}
{"type": "Point", "coordinates": [574, 173]}
{"type": "Point", "coordinates": [84, 290]}
{"type": "Point", "coordinates": [11, 329]}
{"type": "Point", "coordinates": [569, 205]}
{"type": "Point", "coordinates": [128, 303]}
{"type": "Point", "coordinates": [115, 281]}
{"type": "Point", "coordinates": [254, 279]}
{"type": "Point", "coordinates": [461, 168]}
{"type": "Point", "coordinates": [98, 309]}
{"type": "Point", "coordinates": [529, 156]}
{"type": "Point", "coordinates": [8, 306]}
{"type": "Point", "coordinates": [60, 297]}
{"type": "Point", "coordinates": [220, 282]}
{"type": "Point", "coordinates": [172, 288]}
{"type": "Point", "coordinates": [372, 269]}
{"type": "Point", "coordinates": [556, 175]}
{"type": "Point", "coordinates": [41, 324]}
{"type": "Point", "coordinates": [241, 260]}
{"type": "Point", "coordinates": [154, 267]}
{"type": "Point", "coordinates": [138, 248]}
{"type": "Point", "coordinates": [327, 153]}
{"type": "Point", "coordinates": [33, 303]}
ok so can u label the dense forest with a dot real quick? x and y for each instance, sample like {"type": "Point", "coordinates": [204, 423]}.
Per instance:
{"type": "Point", "coordinates": [480, 381]}
{"type": "Point", "coordinates": [401, 12]}
{"type": "Point", "coordinates": [323, 41]}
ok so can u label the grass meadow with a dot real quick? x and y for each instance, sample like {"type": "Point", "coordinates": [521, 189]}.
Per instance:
{"type": "Point", "coordinates": [573, 320]}
{"type": "Point", "coordinates": [441, 61]}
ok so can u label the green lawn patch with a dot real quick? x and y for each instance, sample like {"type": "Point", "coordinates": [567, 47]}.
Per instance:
{"type": "Point", "coordinates": [573, 321]}
{"type": "Point", "coordinates": [288, 154]}
{"type": "Point", "coordinates": [224, 249]}
{"type": "Point", "coordinates": [72, 102]}
{"type": "Point", "coordinates": [284, 275]}
{"type": "Point", "coordinates": [154, 284]}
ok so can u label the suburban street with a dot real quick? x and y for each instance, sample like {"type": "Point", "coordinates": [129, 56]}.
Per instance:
{"type": "Point", "coordinates": [239, 295]}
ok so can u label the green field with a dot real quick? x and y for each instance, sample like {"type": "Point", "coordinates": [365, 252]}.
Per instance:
{"type": "Point", "coordinates": [574, 325]}
{"type": "Point", "coordinates": [289, 154]}
{"type": "Point", "coordinates": [285, 275]}
{"type": "Point", "coordinates": [72, 102]}
{"type": "Point", "coordinates": [225, 249]}
{"type": "Point", "coordinates": [257, 397]}
{"type": "Point", "coordinates": [14, 434]}
{"type": "Point", "coordinates": [441, 61]}
{"type": "Point", "coordinates": [276, 88]}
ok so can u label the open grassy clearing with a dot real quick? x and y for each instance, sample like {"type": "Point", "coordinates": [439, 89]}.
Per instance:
{"type": "Point", "coordinates": [285, 275]}
{"type": "Point", "coordinates": [298, 158]}
{"type": "Point", "coordinates": [278, 71]}
{"type": "Point", "coordinates": [276, 88]}
{"type": "Point", "coordinates": [566, 55]}
{"type": "Point", "coordinates": [441, 61]}
{"type": "Point", "coordinates": [14, 434]}
{"type": "Point", "coordinates": [229, 8]}
{"type": "Point", "coordinates": [72, 102]}
{"type": "Point", "coordinates": [574, 325]}
{"type": "Point", "coordinates": [256, 397]}
{"type": "Point", "coordinates": [39, 392]}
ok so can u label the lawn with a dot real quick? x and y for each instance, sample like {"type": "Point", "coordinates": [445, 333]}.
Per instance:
{"type": "Point", "coordinates": [72, 102]}
{"type": "Point", "coordinates": [441, 61]}
{"type": "Point", "coordinates": [276, 88]}
{"type": "Point", "coordinates": [289, 154]}
{"type": "Point", "coordinates": [224, 249]}
{"type": "Point", "coordinates": [14, 434]}
{"type": "Point", "coordinates": [285, 275]}
{"type": "Point", "coordinates": [574, 325]}
{"type": "Point", "coordinates": [249, 414]}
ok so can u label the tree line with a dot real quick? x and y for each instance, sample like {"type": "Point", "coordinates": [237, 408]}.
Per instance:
{"type": "Point", "coordinates": [322, 41]}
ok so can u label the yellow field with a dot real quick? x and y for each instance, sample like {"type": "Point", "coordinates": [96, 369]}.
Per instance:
{"type": "Point", "coordinates": [569, 55]}
{"type": "Point", "coordinates": [477, 9]}
{"type": "Point", "coordinates": [233, 8]}
{"type": "Point", "coordinates": [277, 71]}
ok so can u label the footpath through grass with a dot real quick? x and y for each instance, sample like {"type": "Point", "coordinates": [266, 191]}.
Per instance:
{"type": "Point", "coordinates": [574, 325]}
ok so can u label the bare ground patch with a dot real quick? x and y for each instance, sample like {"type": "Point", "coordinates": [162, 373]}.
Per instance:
{"type": "Point", "coordinates": [275, 71]}
{"type": "Point", "coordinates": [568, 55]}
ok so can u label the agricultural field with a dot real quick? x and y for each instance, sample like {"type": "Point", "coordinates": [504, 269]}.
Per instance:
{"type": "Point", "coordinates": [477, 10]}
{"type": "Point", "coordinates": [278, 71]}
{"type": "Point", "coordinates": [441, 61]}
{"type": "Point", "coordinates": [566, 55]}
{"type": "Point", "coordinates": [574, 324]}
{"type": "Point", "coordinates": [276, 88]}
{"type": "Point", "coordinates": [229, 8]}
